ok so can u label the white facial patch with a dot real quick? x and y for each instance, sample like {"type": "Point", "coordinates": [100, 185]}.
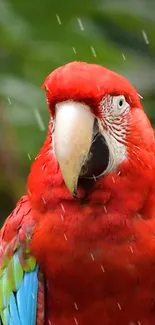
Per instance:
{"type": "Point", "coordinates": [113, 126]}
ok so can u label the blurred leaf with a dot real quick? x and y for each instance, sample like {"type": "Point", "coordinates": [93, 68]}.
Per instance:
{"type": "Point", "coordinates": [39, 36]}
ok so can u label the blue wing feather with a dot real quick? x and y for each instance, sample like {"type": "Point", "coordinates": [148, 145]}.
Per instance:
{"type": "Point", "coordinates": [31, 287]}
{"type": "Point", "coordinates": [33, 303]}
{"type": "Point", "coordinates": [14, 315]}
{"type": "Point", "coordinates": [23, 304]}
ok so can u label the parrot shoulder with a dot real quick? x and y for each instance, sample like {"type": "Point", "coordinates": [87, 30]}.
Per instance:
{"type": "Point", "coordinates": [21, 282]}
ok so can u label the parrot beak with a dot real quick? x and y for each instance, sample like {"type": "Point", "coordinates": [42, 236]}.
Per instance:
{"type": "Point", "coordinates": [73, 136]}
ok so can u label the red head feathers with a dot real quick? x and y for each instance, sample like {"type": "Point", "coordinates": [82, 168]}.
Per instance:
{"type": "Point", "coordinates": [85, 82]}
{"type": "Point", "coordinates": [98, 132]}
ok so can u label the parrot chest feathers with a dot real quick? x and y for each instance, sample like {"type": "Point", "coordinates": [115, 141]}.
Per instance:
{"type": "Point", "coordinates": [96, 270]}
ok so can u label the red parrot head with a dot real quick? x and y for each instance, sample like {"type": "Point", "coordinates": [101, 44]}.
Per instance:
{"type": "Point", "coordinates": [98, 123]}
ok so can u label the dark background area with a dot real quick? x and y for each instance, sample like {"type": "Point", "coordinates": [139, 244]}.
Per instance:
{"type": "Point", "coordinates": [35, 38]}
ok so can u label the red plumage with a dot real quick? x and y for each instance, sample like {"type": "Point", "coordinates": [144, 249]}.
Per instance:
{"type": "Point", "coordinates": [86, 82]}
{"type": "Point", "coordinates": [97, 254]}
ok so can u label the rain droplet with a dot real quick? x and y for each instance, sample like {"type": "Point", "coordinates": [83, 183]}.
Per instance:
{"type": "Point", "coordinates": [47, 152]}
{"type": "Point", "coordinates": [29, 192]}
{"type": "Point", "coordinates": [9, 100]}
{"type": "Point", "coordinates": [119, 306]}
{"type": "Point", "coordinates": [94, 177]}
{"type": "Point", "coordinates": [92, 256]}
{"type": "Point", "coordinates": [43, 199]}
{"type": "Point", "coordinates": [39, 120]}
{"type": "Point", "coordinates": [102, 268]}
{"type": "Point", "coordinates": [29, 156]}
{"type": "Point", "coordinates": [80, 23]}
{"type": "Point", "coordinates": [49, 322]}
{"type": "Point", "coordinates": [74, 50]}
{"type": "Point", "coordinates": [141, 97]}
{"type": "Point", "coordinates": [75, 320]}
{"type": "Point", "coordinates": [145, 37]}
{"type": "Point", "coordinates": [58, 19]}
{"type": "Point", "coordinates": [123, 56]}
{"type": "Point", "coordinates": [138, 216]}
{"type": "Point", "coordinates": [65, 237]}
{"type": "Point", "coordinates": [62, 207]}
{"type": "Point", "coordinates": [76, 307]}
{"type": "Point", "coordinates": [43, 167]}
{"type": "Point", "coordinates": [62, 217]}
{"type": "Point", "coordinates": [93, 51]}
{"type": "Point", "coordinates": [113, 179]}
{"type": "Point", "coordinates": [105, 209]}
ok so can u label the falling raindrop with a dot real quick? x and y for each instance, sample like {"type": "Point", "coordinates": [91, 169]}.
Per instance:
{"type": "Point", "coordinates": [102, 268]}
{"type": "Point", "coordinates": [93, 51]}
{"type": "Point", "coordinates": [75, 304]}
{"type": "Point", "coordinates": [9, 100]}
{"type": "Point", "coordinates": [124, 58]}
{"type": "Point", "coordinates": [105, 209]}
{"type": "Point", "coordinates": [39, 120]}
{"type": "Point", "coordinates": [94, 178]}
{"type": "Point", "coordinates": [113, 179]}
{"type": "Point", "coordinates": [145, 37]}
{"type": "Point", "coordinates": [119, 306]}
{"type": "Point", "coordinates": [58, 19]}
{"type": "Point", "coordinates": [47, 152]}
{"type": "Point", "coordinates": [62, 207]}
{"type": "Point", "coordinates": [80, 23]}
{"type": "Point", "coordinates": [49, 322]}
{"type": "Point", "coordinates": [43, 199]}
{"type": "Point", "coordinates": [92, 256]}
{"type": "Point", "coordinates": [74, 50]}
{"type": "Point", "coordinates": [29, 156]}
{"type": "Point", "coordinates": [62, 217]}
{"type": "Point", "coordinates": [43, 167]}
{"type": "Point", "coordinates": [65, 237]}
{"type": "Point", "coordinates": [75, 320]}
{"type": "Point", "coordinates": [29, 192]}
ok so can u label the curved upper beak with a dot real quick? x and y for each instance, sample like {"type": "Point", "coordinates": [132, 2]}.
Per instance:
{"type": "Point", "coordinates": [72, 139]}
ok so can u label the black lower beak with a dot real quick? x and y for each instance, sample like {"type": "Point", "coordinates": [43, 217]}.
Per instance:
{"type": "Point", "coordinates": [98, 158]}
{"type": "Point", "coordinates": [97, 161]}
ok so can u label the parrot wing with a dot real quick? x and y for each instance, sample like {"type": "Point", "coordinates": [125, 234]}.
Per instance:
{"type": "Point", "coordinates": [21, 284]}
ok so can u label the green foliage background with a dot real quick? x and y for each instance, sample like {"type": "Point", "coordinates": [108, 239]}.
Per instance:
{"type": "Point", "coordinates": [36, 37]}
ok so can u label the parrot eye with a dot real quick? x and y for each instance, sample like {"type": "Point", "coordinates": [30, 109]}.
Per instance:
{"type": "Point", "coordinates": [119, 104]}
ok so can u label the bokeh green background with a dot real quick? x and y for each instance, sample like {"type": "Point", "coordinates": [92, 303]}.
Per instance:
{"type": "Point", "coordinates": [36, 37]}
